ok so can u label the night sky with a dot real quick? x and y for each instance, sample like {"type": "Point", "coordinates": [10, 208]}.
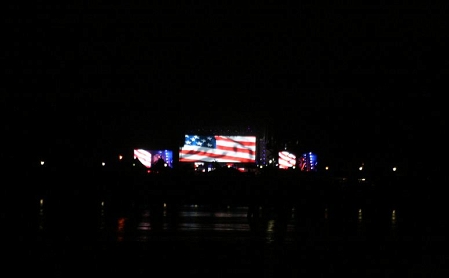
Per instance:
{"type": "Point", "coordinates": [363, 83]}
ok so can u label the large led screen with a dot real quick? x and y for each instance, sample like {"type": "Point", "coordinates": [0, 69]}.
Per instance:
{"type": "Point", "coordinates": [237, 149]}
{"type": "Point", "coordinates": [150, 157]}
{"type": "Point", "coordinates": [286, 160]}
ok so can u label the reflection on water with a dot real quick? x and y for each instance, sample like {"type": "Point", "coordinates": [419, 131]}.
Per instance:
{"type": "Point", "coordinates": [190, 219]}
{"type": "Point", "coordinates": [144, 222]}
{"type": "Point", "coordinates": [109, 219]}
{"type": "Point", "coordinates": [41, 214]}
{"type": "Point", "coordinates": [273, 239]}
{"type": "Point", "coordinates": [339, 233]}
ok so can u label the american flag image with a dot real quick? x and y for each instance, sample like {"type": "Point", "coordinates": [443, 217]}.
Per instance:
{"type": "Point", "coordinates": [286, 160]}
{"type": "Point", "coordinates": [143, 156]}
{"type": "Point", "coordinates": [238, 149]}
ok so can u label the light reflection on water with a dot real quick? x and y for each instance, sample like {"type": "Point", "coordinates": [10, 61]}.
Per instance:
{"type": "Point", "coordinates": [140, 223]}
{"type": "Point", "coordinates": [340, 235]}
{"type": "Point", "coordinates": [194, 218]}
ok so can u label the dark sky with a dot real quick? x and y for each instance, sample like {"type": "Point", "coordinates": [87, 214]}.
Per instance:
{"type": "Point", "coordinates": [367, 81]}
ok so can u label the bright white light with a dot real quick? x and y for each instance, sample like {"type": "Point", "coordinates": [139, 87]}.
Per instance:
{"type": "Point", "coordinates": [102, 163]}
{"type": "Point", "coordinates": [360, 168]}
{"type": "Point", "coordinates": [42, 162]}
{"type": "Point", "coordinates": [394, 169]}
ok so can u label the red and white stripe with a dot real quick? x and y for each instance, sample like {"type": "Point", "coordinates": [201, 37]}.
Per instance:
{"type": "Point", "coordinates": [143, 156]}
{"type": "Point", "coordinates": [286, 160]}
{"type": "Point", "coordinates": [237, 149]}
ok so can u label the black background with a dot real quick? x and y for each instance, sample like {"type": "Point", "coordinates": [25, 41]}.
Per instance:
{"type": "Point", "coordinates": [351, 83]}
